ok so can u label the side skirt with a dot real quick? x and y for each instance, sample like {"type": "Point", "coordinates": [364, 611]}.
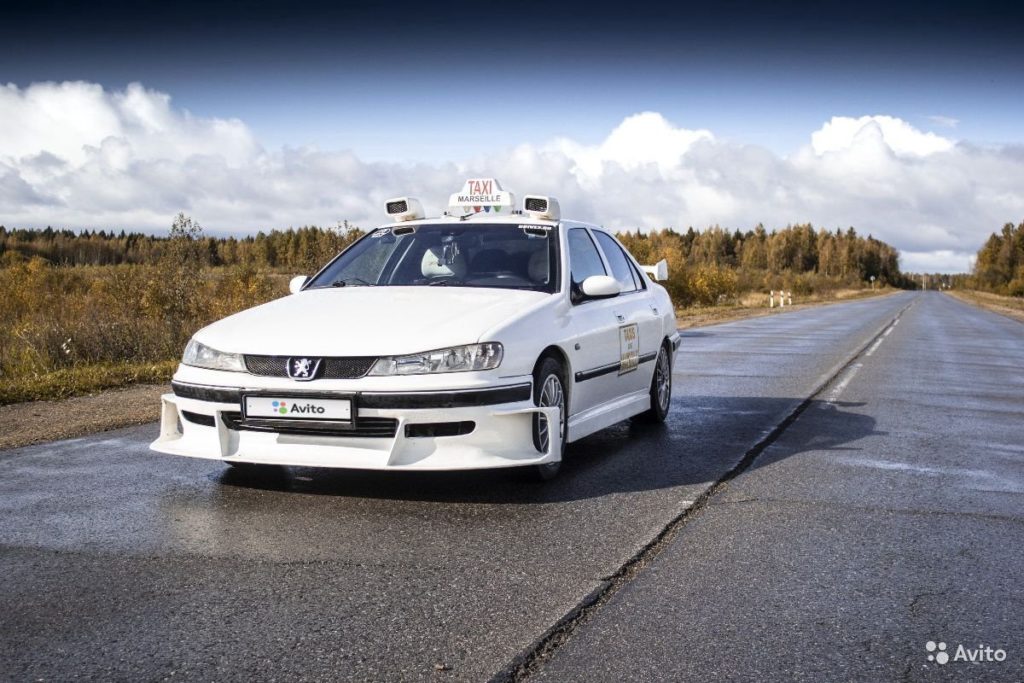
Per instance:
{"type": "Point", "coordinates": [607, 414]}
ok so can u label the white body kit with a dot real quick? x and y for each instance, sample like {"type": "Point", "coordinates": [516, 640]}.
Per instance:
{"type": "Point", "coordinates": [417, 348]}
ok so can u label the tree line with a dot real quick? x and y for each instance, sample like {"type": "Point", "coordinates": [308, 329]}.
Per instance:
{"type": "Point", "coordinates": [999, 267]}
{"type": "Point", "coordinates": [797, 249]}
{"type": "Point", "coordinates": [302, 249]}
{"type": "Point", "coordinates": [715, 265]}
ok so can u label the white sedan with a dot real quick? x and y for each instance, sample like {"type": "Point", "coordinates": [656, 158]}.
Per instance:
{"type": "Point", "coordinates": [489, 337]}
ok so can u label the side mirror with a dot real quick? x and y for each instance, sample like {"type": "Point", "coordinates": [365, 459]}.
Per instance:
{"type": "Point", "coordinates": [296, 283]}
{"type": "Point", "coordinates": [600, 287]}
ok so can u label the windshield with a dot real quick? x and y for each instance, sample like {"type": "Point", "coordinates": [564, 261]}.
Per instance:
{"type": "Point", "coordinates": [454, 255]}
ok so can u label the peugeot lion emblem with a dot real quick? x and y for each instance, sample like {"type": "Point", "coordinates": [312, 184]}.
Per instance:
{"type": "Point", "coordinates": [303, 369]}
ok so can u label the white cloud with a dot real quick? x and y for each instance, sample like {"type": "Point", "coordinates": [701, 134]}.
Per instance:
{"type": "Point", "coordinates": [640, 140]}
{"type": "Point", "coordinates": [73, 154]}
{"type": "Point", "coordinates": [902, 139]}
{"type": "Point", "coordinates": [942, 261]}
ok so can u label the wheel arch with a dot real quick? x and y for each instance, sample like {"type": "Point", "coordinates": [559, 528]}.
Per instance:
{"type": "Point", "coordinates": [559, 354]}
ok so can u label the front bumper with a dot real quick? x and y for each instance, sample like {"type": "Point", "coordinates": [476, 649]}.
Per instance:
{"type": "Point", "coordinates": [206, 422]}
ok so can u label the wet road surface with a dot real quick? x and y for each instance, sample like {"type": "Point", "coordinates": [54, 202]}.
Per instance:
{"type": "Point", "coordinates": [121, 563]}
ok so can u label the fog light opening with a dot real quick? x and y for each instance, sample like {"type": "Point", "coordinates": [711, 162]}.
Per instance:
{"type": "Point", "coordinates": [415, 431]}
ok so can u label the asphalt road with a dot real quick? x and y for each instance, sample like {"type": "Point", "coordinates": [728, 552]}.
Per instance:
{"type": "Point", "coordinates": [869, 513]}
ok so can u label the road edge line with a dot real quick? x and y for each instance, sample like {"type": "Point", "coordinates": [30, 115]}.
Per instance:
{"type": "Point", "coordinates": [529, 660]}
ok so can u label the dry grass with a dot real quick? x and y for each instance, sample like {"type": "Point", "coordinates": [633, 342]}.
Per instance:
{"type": "Point", "coordinates": [1010, 306]}
{"type": "Point", "coordinates": [67, 331]}
{"type": "Point", "coordinates": [83, 379]}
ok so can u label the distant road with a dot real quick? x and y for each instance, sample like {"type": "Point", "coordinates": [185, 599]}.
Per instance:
{"type": "Point", "coordinates": [876, 505]}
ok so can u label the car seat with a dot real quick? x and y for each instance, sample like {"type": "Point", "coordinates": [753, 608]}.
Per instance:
{"type": "Point", "coordinates": [539, 267]}
{"type": "Point", "coordinates": [431, 265]}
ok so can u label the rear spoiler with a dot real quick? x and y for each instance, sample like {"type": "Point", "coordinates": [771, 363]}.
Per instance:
{"type": "Point", "coordinates": [659, 271]}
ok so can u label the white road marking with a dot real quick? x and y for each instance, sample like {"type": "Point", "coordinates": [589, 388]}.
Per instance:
{"type": "Point", "coordinates": [838, 389]}
{"type": "Point", "coordinates": [978, 480]}
{"type": "Point", "coordinates": [887, 332]}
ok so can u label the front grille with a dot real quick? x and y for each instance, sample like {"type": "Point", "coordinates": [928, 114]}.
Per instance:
{"type": "Point", "coordinates": [536, 204]}
{"type": "Point", "coordinates": [366, 427]}
{"type": "Point", "coordinates": [351, 367]}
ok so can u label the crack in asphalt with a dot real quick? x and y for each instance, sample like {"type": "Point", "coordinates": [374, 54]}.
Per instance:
{"type": "Point", "coordinates": [918, 597]}
{"type": "Point", "coordinates": [532, 659]}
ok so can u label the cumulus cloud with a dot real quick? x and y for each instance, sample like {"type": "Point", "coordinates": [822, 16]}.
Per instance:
{"type": "Point", "coordinates": [941, 261]}
{"type": "Point", "coordinates": [641, 140]}
{"type": "Point", "coordinates": [74, 154]}
{"type": "Point", "coordinates": [898, 136]}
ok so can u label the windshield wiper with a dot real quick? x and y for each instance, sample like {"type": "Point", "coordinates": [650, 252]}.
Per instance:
{"type": "Point", "coordinates": [344, 282]}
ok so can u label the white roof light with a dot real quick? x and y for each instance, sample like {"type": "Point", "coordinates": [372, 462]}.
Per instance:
{"type": "Point", "coordinates": [404, 209]}
{"type": "Point", "coordinates": [659, 271]}
{"type": "Point", "coordinates": [481, 195]}
{"type": "Point", "coordinates": [541, 208]}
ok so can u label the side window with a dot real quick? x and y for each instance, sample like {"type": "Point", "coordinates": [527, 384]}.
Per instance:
{"type": "Point", "coordinates": [621, 269]}
{"type": "Point", "coordinates": [641, 279]}
{"type": "Point", "coordinates": [584, 260]}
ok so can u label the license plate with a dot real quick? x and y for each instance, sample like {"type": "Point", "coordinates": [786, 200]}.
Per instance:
{"type": "Point", "coordinates": [291, 408]}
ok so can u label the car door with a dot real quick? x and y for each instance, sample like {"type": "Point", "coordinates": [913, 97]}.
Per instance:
{"type": "Point", "coordinates": [639, 319]}
{"type": "Point", "coordinates": [594, 348]}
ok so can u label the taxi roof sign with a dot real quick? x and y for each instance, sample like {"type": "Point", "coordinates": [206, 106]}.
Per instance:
{"type": "Point", "coordinates": [481, 195]}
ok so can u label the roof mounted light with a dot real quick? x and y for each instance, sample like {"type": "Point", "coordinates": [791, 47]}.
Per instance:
{"type": "Point", "coordinates": [541, 208]}
{"type": "Point", "coordinates": [659, 271]}
{"type": "Point", "coordinates": [481, 195]}
{"type": "Point", "coordinates": [404, 209]}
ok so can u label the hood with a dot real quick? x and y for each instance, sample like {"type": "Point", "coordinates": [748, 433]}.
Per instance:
{"type": "Point", "coordinates": [368, 321]}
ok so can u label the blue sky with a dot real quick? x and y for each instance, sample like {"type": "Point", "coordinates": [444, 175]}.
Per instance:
{"type": "Point", "coordinates": [405, 81]}
{"type": "Point", "coordinates": [401, 84]}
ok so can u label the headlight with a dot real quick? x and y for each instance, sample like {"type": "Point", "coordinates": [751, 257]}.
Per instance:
{"type": "Point", "coordinates": [455, 359]}
{"type": "Point", "coordinates": [202, 356]}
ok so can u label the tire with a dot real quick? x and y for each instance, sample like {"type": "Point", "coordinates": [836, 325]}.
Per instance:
{"type": "Point", "coordinates": [549, 390]}
{"type": "Point", "coordinates": [661, 388]}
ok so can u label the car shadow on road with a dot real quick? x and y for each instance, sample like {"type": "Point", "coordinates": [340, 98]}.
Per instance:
{"type": "Point", "coordinates": [704, 437]}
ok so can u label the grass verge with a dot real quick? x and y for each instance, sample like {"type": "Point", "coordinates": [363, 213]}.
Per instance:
{"type": "Point", "coordinates": [83, 379]}
{"type": "Point", "coordinates": [756, 306]}
{"type": "Point", "coordinates": [1010, 306]}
